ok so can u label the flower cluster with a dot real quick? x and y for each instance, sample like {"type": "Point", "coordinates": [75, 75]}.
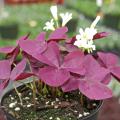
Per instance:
{"type": "Point", "coordinates": [85, 38]}
{"type": "Point", "coordinates": [68, 66]}
{"type": "Point", "coordinates": [66, 17]}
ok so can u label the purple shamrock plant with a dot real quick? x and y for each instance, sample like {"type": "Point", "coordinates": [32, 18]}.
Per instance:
{"type": "Point", "coordinates": [61, 62]}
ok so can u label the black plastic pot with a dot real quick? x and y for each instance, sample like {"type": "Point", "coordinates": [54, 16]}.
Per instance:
{"type": "Point", "coordinates": [5, 116]}
{"type": "Point", "coordinates": [9, 31]}
{"type": "Point", "coordinates": [10, 117]}
{"type": "Point", "coordinates": [92, 116]}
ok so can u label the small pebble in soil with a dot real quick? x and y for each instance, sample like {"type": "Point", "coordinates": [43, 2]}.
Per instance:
{"type": "Point", "coordinates": [12, 98]}
{"type": "Point", "coordinates": [26, 98]}
{"type": "Point", "coordinates": [69, 114]}
{"type": "Point", "coordinates": [57, 99]}
{"type": "Point", "coordinates": [56, 106]}
{"type": "Point", "coordinates": [30, 93]}
{"type": "Point", "coordinates": [58, 118]}
{"type": "Point", "coordinates": [66, 96]}
{"type": "Point", "coordinates": [80, 115]}
{"type": "Point", "coordinates": [86, 113]}
{"type": "Point", "coordinates": [47, 102]}
{"type": "Point", "coordinates": [19, 94]}
{"type": "Point", "coordinates": [17, 109]}
{"type": "Point", "coordinates": [94, 104]}
{"type": "Point", "coordinates": [75, 111]}
{"type": "Point", "coordinates": [52, 103]}
{"type": "Point", "coordinates": [10, 95]}
{"type": "Point", "coordinates": [12, 105]}
{"type": "Point", "coordinates": [59, 103]}
{"type": "Point", "coordinates": [36, 98]}
{"type": "Point", "coordinates": [50, 118]}
{"type": "Point", "coordinates": [29, 105]}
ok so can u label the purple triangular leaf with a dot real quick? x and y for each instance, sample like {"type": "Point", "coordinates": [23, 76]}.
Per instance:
{"type": "Point", "coordinates": [12, 56]}
{"type": "Point", "coordinates": [3, 84]}
{"type": "Point", "coordinates": [71, 84]}
{"type": "Point", "coordinates": [41, 37]}
{"type": "Point", "coordinates": [93, 70]}
{"type": "Point", "coordinates": [33, 47]}
{"type": "Point", "coordinates": [73, 62]}
{"type": "Point", "coordinates": [7, 49]}
{"type": "Point", "coordinates": [108, 59]}
{"type": "Point", "coordinates": [19, 69]}
{"type": "Point", "coordinates": [24, 76]}
{"type": "Point", "coordinates": [71, 40]}
{"type": "Point", "coordinates": [94, 90]}
{"type": "Point", "coordinates": [53, 77]}
{"type": "Point", "coordinates": [116, 72]}
{"type": "Point", "coordinates": [106, 79]}
{"type": "Point", "coordinates": [71, 48]}
{"type": "Point", "coordinates": [51, 56]}
{"type": "Point", "coordinates": [58, 34]}
{"type": "Point", "coordinates": [5, 69]}
{"type": "Point", "coordinates": [100, 35]}
{"type": "Point", "coordinates": [23, 38]}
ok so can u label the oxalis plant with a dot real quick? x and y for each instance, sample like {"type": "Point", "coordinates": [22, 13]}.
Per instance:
{"type": "Point", "coordinates": [59, 64]}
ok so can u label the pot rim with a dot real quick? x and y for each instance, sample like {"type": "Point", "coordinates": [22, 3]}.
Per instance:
{"type": "Point", "coordinates": [94, 111]}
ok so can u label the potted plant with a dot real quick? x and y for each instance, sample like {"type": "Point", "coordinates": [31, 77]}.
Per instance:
{"type": "Point", "coordinates": [69, 80]}
{"type": "Point", "coordinates": [8, 28]}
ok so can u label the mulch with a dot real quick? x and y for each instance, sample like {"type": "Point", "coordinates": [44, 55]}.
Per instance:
{"type": "Point", "coordinates": [110, 110]}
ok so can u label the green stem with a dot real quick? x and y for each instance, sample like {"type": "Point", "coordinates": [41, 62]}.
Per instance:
{"type": "Point", "coordinates": [57, 24]}
{"type": "Point", "coordinates": [58, 92]}
{"type": "Point", "coordinates": [21, 102]}
{"type": "Point", "coordinates": [41, 86]}
{"type": "Point", "coordinates": [34, 92]}
{"type": "Point", "coordinates": [45, 90]}
{"type": "Point", "coordinates": [53, 90]}
{"type": "Point", "coordinates": [82, 100]}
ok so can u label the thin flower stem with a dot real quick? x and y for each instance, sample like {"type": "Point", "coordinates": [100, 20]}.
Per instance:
{"type": "Point", "coordinates": [45, 90]}
{"type": "Point", "coordinates": [58, 92]}
{"type": "Point", "coordinates": [34, 92]}
{"type": "Point", "coordinates": [57, 24]}
{"type": "Point", "coordinates": [21, 102]}
{"type": "Point", "coordinates": [26, 84]}
{"type": "Point", "coordinates": [81, 100]}
{"type": "Point", "coordinates": [41, 86]}
{"type": "Point", "coordinates": [53, 92]}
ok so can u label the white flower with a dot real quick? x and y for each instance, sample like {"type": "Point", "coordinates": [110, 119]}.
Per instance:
{"type": "Point", "coordinates": [85, 45]}
{"type": "Point", "coordinates": [87, 34]}
{"type": "Point", "coordinates": [66, 18]}
{"type": "Point", "coordinates": [49, 25]}
{"type": "Point", "coordinates": [85, 38]}
{"type": "Point", "coordinates": [54, 12]}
